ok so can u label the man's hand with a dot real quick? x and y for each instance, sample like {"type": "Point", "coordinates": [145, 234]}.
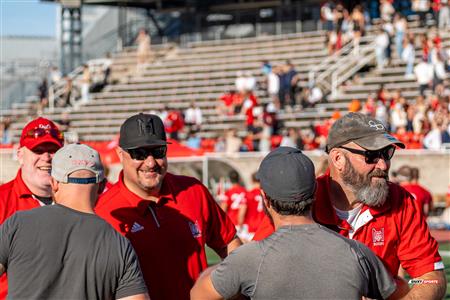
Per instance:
{"type": "Point", "coordinates": [433, 286]}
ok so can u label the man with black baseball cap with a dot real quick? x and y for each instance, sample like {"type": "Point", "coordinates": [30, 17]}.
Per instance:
{"type": "Point", "coordinates": [65, 251]}
{"type": "Point", "coordinates": [301, 259]}
{"type": "Point", "coordinates": [168, 218]}
{"type": "Point", "coordinates": [356, 199]}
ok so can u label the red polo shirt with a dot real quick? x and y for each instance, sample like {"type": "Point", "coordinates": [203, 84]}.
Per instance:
{"type": "Point", "coordinates": [396, 232]}
{"type": "Point", "coordinates": [169, 235]}
{"type": "Point", "coordinates": [14, 196]}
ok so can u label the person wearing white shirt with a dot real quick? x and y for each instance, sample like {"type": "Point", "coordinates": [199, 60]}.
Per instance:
{"type": "Point", "coordinates": [424, 74]}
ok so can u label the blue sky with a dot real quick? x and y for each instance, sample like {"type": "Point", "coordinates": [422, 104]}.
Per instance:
{"type": "Point", "coordinates": [27, 17]}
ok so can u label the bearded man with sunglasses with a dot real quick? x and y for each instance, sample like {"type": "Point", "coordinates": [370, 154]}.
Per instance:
{"type": "Point", "coordinates": [168, 218]}
{"type": "Point", "coordinates": [356, 199]}
{"type": "Point", "coordinates": [31, 188]}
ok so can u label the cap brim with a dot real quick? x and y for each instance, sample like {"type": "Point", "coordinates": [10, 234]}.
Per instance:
{"type": "Point", "coordinates": [379, 141]}
{"type": "Point", "coordinates": [33, 143]}
{"type": "Point", "coordinates": [149, 144]}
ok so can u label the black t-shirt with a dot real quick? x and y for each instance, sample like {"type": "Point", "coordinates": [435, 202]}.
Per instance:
{"type": "Point", "coordinates": [54, 252]}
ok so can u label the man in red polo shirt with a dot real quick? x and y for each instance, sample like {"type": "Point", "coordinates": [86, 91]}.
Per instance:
{"type": "Point", "coordinates": [408, 178]}
{"type": "Point", "coordinates": [39, 140]}
{"type": "Point", "coordinates": [355, 199]}
{"type": "Point", "coordinates": [168, 218]}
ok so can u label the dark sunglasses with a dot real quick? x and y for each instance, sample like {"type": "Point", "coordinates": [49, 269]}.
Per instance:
{"type": "Point", "coordinates": [372, 156]}
{"type": "Point", "coordinates": [40, 132]}
{"type": "Point", "coordinates": [143, 153]}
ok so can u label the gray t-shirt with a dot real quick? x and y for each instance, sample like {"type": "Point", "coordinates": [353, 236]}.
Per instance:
{"type": "Point", "coordinates": [303, 262]}
{"type": "Point", "coordinates": [54, 252]}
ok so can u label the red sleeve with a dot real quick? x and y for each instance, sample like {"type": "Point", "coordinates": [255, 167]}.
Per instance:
{"type": "Point", "coordinates": [417, 249]}
{"type": "Point", "coordinates": [220, 229]}
{"type": "Point", "coordinates": [264, 230]}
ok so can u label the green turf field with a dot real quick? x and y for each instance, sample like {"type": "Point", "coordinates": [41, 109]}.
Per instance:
{"type": "Point", "coordinates": [213, 258]}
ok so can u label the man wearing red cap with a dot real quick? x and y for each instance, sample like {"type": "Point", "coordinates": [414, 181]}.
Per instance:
{"type": "Point", "coordinates": [31, 188]}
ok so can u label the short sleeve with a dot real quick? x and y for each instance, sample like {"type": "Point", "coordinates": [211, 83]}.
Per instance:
{"type": "Point", "coordinates": [238, 272]}
{"type": "Point", "coordinates": [6, 234]}
{"type": "Point", "coordinates": [380, 282]}
{"type": "Point", "coordinates": [131, 281]}
{"type": "Point", "coordinates": [220, 229]}
{"type": "Point", "coordinates": [417, 249]}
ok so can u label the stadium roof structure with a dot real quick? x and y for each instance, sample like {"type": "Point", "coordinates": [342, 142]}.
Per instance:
{"type": "Point", "coordinates": [161, 5]}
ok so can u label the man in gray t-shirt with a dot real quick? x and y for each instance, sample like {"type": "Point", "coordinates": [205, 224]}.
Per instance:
{"type": "Point", "coordinates": [65, 251]}
{"type": "Point", "coordinates": [302, 259]}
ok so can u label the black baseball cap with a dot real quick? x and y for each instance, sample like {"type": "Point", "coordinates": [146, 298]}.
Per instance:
{"type": "Point", "coordinates": [142, 130]}
{"type": "Point", "coordinates": [286, 174]}
{"type": "Point", "coordinates": [361, 129]}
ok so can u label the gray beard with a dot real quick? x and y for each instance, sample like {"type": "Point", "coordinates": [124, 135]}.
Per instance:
{"type": "Point", "coordinates": [371, 194]}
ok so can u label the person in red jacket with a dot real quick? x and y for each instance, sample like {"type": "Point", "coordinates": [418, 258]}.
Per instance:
{"type": "Point", "coordinates": [39, 141]}
{"type": "Point", "coordinates": [255, 211]}
{"type": "Point", "coordinates": [355, 199]}
{"type": "Point", "coordinates": [234, 202]}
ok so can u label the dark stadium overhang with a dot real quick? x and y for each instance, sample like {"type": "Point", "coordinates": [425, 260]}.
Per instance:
{"type": "Point", "coordinates": [165, 5]}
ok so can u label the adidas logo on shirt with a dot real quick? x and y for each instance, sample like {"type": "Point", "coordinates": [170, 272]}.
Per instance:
{"type": "Point", "coordinates": [136, 227]}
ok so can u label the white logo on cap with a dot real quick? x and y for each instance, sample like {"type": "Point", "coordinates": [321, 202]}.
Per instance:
{"type": "Point", "coordinates": [44, 126]}
{"type": "Point", "coordinates": [377, 126]}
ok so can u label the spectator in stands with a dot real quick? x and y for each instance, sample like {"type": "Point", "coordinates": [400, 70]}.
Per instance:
{"type": "Point", "coordinates": [193, 117]}
{"type": "Point", "coordinates": [386, 10]}
{"type": "Point", "coordinates": [381, 44]}
{"type": "Point", "coordinates": [54, 75]}
{"type": "Point", "coordinates": [266, 69]}
{"type": "Point", "coordinates": [31, 188]}
{"type": "Point", "coordinates": [273, 84]}
{"type": "Point", "coordinates": [292, 138]}
{"type": "Point", "coordinates": [408, 56]}
{"type": "Point", "coordinates": [354, 106]}
{"type": "Point", "coordinates": [193, 141]}
{"type": "Point", "coordinates": [143, 52]}
{"type": "Point", "coordinates": [174, 123]}
{"type": "Point", "coordinates": [444, 15]}
{"type": "Point", "coordinates": [240, 83]}
{"type": "Point", "coordinates": [359, 26]}
{"type": "Point", "coordinates": [439, 72]}
{"type": "Point", "coordinates": [400, 28]}
{"type": "Point", "coordinates": [291, 82]}
{"type": "Point", "coordinates": [234, 202]}
{"type": "Point", "coordinates": [5, 133]}
{"type": "Point", "coordinates": [327, 15]}
{"type": "Point", "coordinates": [421, 7]}
{"type": "Point", "coordinates": [85, 84]}
{"type": "Point", "coordinates": [168, 218]}
{"type": "Point", "coordinates": [250, 81]}
{"type": "Point", "coordinates": [43, 96]}
{"type": "Point", "coordinates": [232, 142]}
{"type": "Point", "coordinates": [439, 134]}
{"type": "Point", "coordinates": [398, 117]}
{"type": "Point", "coordinates": [226, 103]}
{"type": "Point", "coordinates": [249, 108]}
{"type": "Point", "coordinates": [388, 27]}
{"type": "Point", "coordinates": [408, 178]}
{"type": "Point", "coordinates": [369, 108]}
{"type": "Point", "coordinates": [424, 75]}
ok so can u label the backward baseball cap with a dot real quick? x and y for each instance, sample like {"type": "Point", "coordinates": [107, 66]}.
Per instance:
{"type": "Point", "coordinates": [76, 157]}
{"type": "Point", "coordinates": [361, 129]}
{"type": "Point", "coordinates": [286, 174]}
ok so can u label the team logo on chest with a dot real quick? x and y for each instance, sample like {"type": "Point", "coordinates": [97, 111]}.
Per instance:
{"type": "Point", "coordinates": [195, 229]}
{"type": "Point", "coordinates": [378, 237]}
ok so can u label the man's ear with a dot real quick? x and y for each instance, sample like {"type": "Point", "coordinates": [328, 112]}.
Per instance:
{"type": "Point", "coordinates": [119, 152]}
{"type": "Point", "coordinates": [54, 184]}
{"type": "Point", "coordinates": [20, 155]}
{"type": "Point", "coordinates": [337, 159]}
{"type": "Point", "coordinates": [266, 202]}
{"type": "Point", "coordinates": [101, 186]}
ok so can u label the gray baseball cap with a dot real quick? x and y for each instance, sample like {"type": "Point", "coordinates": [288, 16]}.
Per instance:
{"type": "Point", "coordinates": [75, 157]}
{"type": "Point", "coordinates": [361, 129]}
{"type": "Point", "coordinates": [286, 174]}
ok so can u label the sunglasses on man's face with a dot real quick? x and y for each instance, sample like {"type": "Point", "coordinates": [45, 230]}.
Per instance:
{"type": "Point", "coordinates": [143, 153]}
{"type": "Point", "coordinates": [373, 156]}
{"type": "Point", "coordinates": [40, 132]}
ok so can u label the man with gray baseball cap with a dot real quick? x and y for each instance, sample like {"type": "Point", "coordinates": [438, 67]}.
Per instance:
{"type": "Point", "coordinates": [356, 199]}
{"type": "Point", "coordinates": [65, 251]}
{"type": "Point", "coordinates": [301, 259]}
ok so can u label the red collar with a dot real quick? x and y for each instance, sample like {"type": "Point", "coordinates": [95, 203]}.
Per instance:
{"type": "Point", "coordinates": [324, 212]}
{"type": "Point", "coordinates": [165, 194]}
{"type": "Point", "coordinates": [20, 187]}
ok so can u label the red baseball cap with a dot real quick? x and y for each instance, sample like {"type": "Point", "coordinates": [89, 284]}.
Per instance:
{"type": "Point", "coordinates": [40, 131]}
